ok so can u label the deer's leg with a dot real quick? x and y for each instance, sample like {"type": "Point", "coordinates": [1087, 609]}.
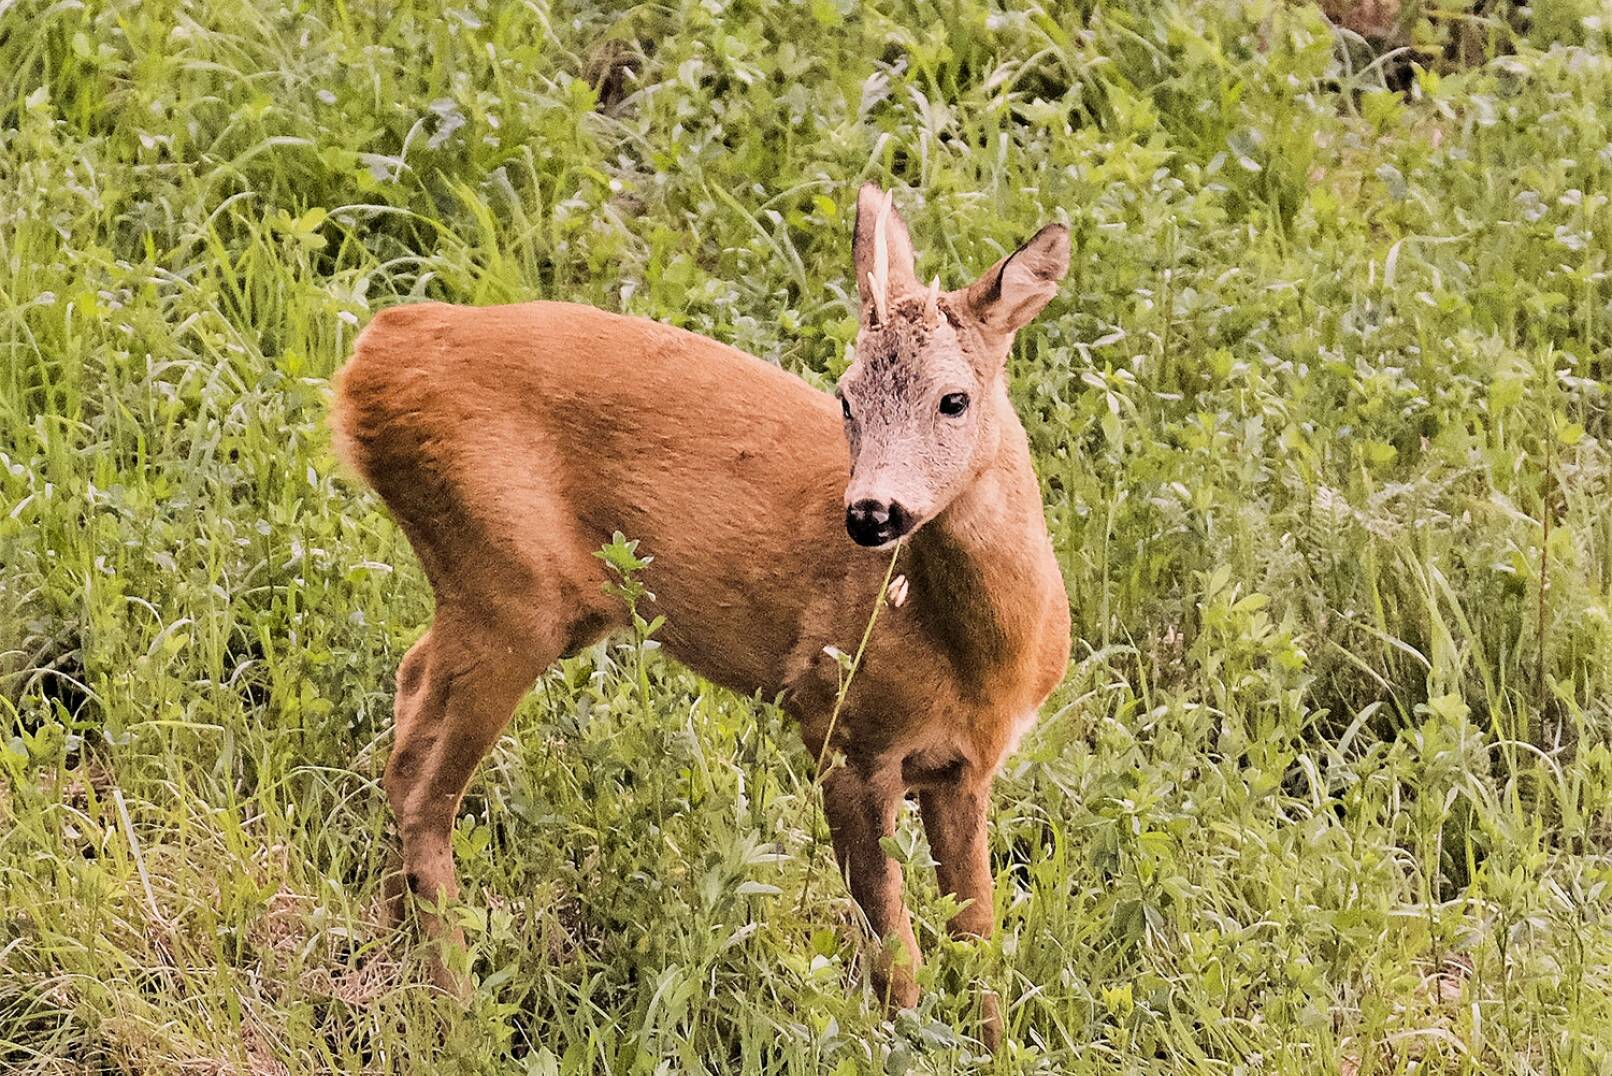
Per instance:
{"type": "Point", "coordinates": [954, 818]}
{"type": "Point", "coordinates": [456, 689]}
{"type": "Point", "coordinates": [861, 807]}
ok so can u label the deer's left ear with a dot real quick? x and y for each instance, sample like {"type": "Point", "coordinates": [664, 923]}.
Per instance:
{"type": "Point", "coordinates": [882, 252]}
{"type": "Point", "coordinates": [1014, 290]}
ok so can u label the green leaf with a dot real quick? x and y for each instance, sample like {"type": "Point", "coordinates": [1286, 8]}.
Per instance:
{"type": "Point", "coordinates": [1450, 707]}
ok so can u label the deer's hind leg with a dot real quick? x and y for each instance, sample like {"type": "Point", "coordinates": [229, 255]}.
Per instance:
{"type": "Point", "coordinates": [456, 690]}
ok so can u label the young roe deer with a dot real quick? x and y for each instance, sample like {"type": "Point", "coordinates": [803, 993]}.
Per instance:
{"type": "Point", "coordinates": [510, 442]}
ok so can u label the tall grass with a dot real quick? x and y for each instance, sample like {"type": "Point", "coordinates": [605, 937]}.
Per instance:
{"type": "Point", "coordinates": [1322, 424]}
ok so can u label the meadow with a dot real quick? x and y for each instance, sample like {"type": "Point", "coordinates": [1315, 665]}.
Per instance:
{"type": "Point", "coordinates": [1321, 418]}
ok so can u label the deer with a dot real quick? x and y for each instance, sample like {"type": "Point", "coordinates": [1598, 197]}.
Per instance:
{"type": "Point", "coordinates": [510, 442]}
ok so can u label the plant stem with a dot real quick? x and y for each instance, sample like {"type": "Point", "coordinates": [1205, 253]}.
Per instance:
{"type": "Point", "coordinates": [834, 717]}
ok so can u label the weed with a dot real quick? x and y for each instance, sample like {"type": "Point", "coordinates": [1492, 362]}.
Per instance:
{"type": "Point", "coordinates": [1322, 425]}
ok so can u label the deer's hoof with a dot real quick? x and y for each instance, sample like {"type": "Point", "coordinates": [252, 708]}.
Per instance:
{"type": "Point", "coordinates": [991, 1024]}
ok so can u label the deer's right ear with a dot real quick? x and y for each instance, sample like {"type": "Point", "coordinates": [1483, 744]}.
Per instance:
{"type": "Point", "coordinates": [881, 250]}
{"type": "Point", "coordinates": [1014, 290]}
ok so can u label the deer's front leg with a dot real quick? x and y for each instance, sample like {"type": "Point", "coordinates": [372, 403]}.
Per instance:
{"type": "Point", "coordinates": [954, 818]}
{"type": "Point", "coordinates": [861, 806]}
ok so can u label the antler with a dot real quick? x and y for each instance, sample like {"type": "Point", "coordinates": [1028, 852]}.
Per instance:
{"type": "Point", "coordinates": [879, 278]}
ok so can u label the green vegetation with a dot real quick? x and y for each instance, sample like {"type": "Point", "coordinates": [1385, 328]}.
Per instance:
{"type": "Point", "coordinates": [1322, 420]}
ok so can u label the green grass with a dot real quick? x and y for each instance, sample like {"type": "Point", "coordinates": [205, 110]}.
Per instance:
{"type": "Point", "coordinates": [1321, 417]}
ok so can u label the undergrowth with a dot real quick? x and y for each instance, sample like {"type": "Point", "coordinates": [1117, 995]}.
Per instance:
{"type": "Point", "coordinates": [1321, 419]}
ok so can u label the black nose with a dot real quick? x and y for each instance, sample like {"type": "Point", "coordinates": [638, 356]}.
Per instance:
{"type": "Point", "coordinates": [875, 522]}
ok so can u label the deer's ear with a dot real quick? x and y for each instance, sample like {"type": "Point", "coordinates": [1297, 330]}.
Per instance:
{"type": "Point", "coordinates": [882, 252]}
{"type": "Point", "coordinates": [1014, 290]}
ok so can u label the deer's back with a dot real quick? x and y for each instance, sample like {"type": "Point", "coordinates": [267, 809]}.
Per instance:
{"type": "Point", "coordinates": [526, 435]}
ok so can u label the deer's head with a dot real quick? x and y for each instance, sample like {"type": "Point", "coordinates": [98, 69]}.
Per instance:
{"type": "Point", "coordinates": [924, 398]}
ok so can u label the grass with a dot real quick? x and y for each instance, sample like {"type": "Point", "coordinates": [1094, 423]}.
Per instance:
{"type": "Point", "coordinates": [1321, 419]}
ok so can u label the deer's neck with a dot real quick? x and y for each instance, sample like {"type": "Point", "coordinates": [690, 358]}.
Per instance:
{"type": "Point", "coordinates": [984, 570]}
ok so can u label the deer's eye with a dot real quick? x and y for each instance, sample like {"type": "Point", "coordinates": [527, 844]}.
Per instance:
{"type": "Point", "coordinates": [953, 404]}
{"type": "Point", "coordinates": [845, 408]}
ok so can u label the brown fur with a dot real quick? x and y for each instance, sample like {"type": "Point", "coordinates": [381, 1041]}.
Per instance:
{"type": "Point", "coordinates": [511, 441]}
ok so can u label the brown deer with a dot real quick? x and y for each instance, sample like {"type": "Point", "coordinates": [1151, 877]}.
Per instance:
{"type": "Point", "coordinates": [511, 442]}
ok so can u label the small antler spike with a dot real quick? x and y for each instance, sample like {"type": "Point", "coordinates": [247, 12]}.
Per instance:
{"type": "Point", "coordinates": [932, 301]}
{"type": "Point", "coordinates": [879, 279]}
{"type": "Point", "coordinates": [881, 301]}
